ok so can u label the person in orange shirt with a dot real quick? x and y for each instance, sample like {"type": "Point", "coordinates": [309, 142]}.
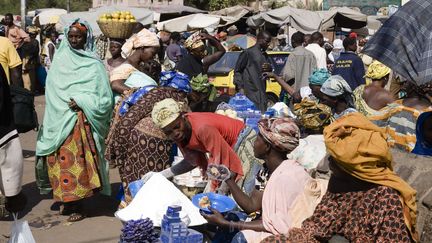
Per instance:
{"type": "Point", "coordinates": [14, 33]}
{"type": "Point", "coordinates": [208, 138]}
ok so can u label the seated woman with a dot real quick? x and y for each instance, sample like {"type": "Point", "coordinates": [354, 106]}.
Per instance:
{"type": "Point", "coordinates": [290, 195]}
{"type": "Point", "coordinates": [141, 47]}
{"type": "Point", "coordinates": [312, 92]}
{"type": "Point", "coordinates": [365, 201]}
{"type": "Point", "coordinates": [337, 94]}
{"type": "Point", "coordinates": [373, 97]}
{"type": "Point", "coordinates": [77, 114]}
{"type": "Point", "coordinates": [227, 141]}
{"type": "Point", "coordinates": [424, 134]}
{"type": "Point", "coordinates": [400, 118]}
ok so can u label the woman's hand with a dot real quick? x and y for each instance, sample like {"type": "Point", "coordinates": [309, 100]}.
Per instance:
{"type": "Point", "coordinates": [205, 36]}
{"type": "Point", "coordinates": [216, 218]}
{"type": "Point", "coordinates": [73, 105]}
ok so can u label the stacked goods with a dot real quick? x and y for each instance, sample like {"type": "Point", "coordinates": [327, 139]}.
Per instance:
{"type": "Point", "coordinates": [118, 24]}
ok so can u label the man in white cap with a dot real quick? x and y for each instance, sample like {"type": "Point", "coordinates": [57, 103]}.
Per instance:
{"type": "Point", "coordinates": [202, 134]}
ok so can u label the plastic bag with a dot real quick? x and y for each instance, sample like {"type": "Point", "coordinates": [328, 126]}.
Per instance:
{"type": "Point", "coordinates": [20, 231]}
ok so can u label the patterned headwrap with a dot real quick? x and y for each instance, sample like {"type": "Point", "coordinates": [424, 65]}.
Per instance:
{"type": "Point", "coordinates": [193, 42]}
{"type": "Point", "coordinates": [282, 133]}
{"type": "Point", "coordinates": [336, 86]}
{"type": "Point", "coordinates": [377, 70]}
{"type": "Point", "coordinates": [312, 115]}
{"type": "Point", "coordinates": [80, 26]}
{"type": "Point", "coordinates": [319, 76]}
{"type": "Point", "coordinates": [83, 26]}
{"type": "Point", "coordinates": [33, 30]}
{"type": "Point", "coordinates": [166, 111]}
{"type": "Point", "coordinates": [144, 38]}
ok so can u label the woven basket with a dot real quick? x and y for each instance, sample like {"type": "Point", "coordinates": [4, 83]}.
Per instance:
{"type": "Point", "coordinates": [116, 29]}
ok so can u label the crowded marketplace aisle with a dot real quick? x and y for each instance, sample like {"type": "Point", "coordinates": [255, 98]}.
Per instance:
{"type": "Point", "coordinates": [121, 125]}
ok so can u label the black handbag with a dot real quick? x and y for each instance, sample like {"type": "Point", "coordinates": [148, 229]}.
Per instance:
{"type": "Point", "coordinates": [25, 116]}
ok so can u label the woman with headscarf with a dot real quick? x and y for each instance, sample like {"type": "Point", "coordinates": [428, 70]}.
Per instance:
{"type": "Point", "coordinates": [400, 118]}
{"type": "Point", "coordinates": [227, 141]}
{"type": "Point", "coordinates": [139, 48]}
{"type": "Point", "coordinates": [373, 97]}
{"type": "Point", "coordinates": [135, 144]}
{"type": "Point", "coordinates": [77, 113]}
{"type": "Point", "coordinates": [196, 63]}
{"type": "Point", "coordinates": [337, 94]}
{"type": "Point", "coordinates": [116, 59]}
{"type": "Point", "coordinates": [365, 201]}
{"type": "Point", "coordinates": [290, 195]}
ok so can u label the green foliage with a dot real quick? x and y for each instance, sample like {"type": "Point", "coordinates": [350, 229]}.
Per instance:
{"type": "Point", "coordinates": [313, 5]}
{"type": "Point", "coordinates": [220, 4]}
{"type": "Point", "coordinates": [14, 6]}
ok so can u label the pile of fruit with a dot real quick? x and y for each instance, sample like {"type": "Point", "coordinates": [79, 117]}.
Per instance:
{"type": "Point", "coordinates": [117, 16]}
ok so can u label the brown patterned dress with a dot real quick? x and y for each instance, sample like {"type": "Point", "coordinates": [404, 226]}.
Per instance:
{"type": "Point", "coordinates": [375, 215]}
{"type": "Point", "coordinates": [135, 145]}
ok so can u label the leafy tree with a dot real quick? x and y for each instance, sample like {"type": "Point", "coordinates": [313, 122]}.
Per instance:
{"type": "Point", "coordinates": [220, 4]}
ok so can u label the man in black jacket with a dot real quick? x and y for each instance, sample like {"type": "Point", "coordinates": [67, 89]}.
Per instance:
{"type": "Point", "coordinates": [11, 159]}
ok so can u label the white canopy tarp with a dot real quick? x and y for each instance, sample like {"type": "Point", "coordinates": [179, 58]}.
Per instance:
{"type": "Point", "coordinates": [342, 17]}
{"type": "Point", "coordinates": [142, 15]}
{"type": "Point", "coordinates": [235, 11]}
{"type": "Point", "coordinates": [47, 16]}
{"type": "Point", "coordinates": [195, 22]}
{"type": "Point", "coordinates": [303, 20]}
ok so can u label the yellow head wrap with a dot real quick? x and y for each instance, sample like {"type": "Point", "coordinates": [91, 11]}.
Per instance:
{"type": "Point", "coordinates": [144, 38]}
{"type": "Point", "coordinates": [166, 111]}
{"type": "Point", "coordinates": [377, 70]}
{"type": "Point", "coordinates": [360, 148]}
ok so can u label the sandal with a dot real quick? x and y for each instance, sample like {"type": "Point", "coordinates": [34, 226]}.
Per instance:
{"type": "Point", "coordinates": [75, 217]}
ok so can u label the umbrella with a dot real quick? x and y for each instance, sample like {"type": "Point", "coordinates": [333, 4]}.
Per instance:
{"type": "Point", "coordinates": [49, 16]}
{"type": "Point", "coordinates": [243, 41]}
{"type": "Point", "coordinates": [404, 42]}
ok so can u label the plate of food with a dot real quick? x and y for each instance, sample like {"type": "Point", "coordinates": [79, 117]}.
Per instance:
{"type": "Point", "coordinates": [218, 172]}
{"type": "Point", "coordinates": [219, 202]}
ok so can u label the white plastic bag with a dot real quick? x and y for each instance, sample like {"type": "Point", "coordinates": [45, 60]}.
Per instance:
{"type": "Point", "coordinates": [20, 231]}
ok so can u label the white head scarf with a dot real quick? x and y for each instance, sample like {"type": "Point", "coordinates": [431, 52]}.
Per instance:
{"type": "Point", "coordinates": [144, 38]}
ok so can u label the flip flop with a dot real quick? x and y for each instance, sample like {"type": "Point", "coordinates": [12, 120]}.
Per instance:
{"type": "Point", "coordinates": [75, 217]}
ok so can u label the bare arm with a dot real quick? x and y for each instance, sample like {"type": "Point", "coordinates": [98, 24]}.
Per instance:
{"type": "Point", "coordinates": [182, 167]}
{"type": "Point", "coordinates": [282, 83]}
{"type": "Point", "coordinates": [217, 219]}
{"type": "Point", "coordinates": [119, 86]}
{"type": "Point", "coordinates": [248, 204]}
{"type": "Point", "coordinates": [51, 51]}
{"type": "Point", "coordinates": [209, 60]}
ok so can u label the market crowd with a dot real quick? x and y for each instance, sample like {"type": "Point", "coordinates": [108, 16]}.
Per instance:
{"type": "Point", "coordinates": [150, 97]}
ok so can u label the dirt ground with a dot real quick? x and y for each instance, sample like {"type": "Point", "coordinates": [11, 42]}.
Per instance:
{"type": "Point", "coordinates": [42, 212]}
